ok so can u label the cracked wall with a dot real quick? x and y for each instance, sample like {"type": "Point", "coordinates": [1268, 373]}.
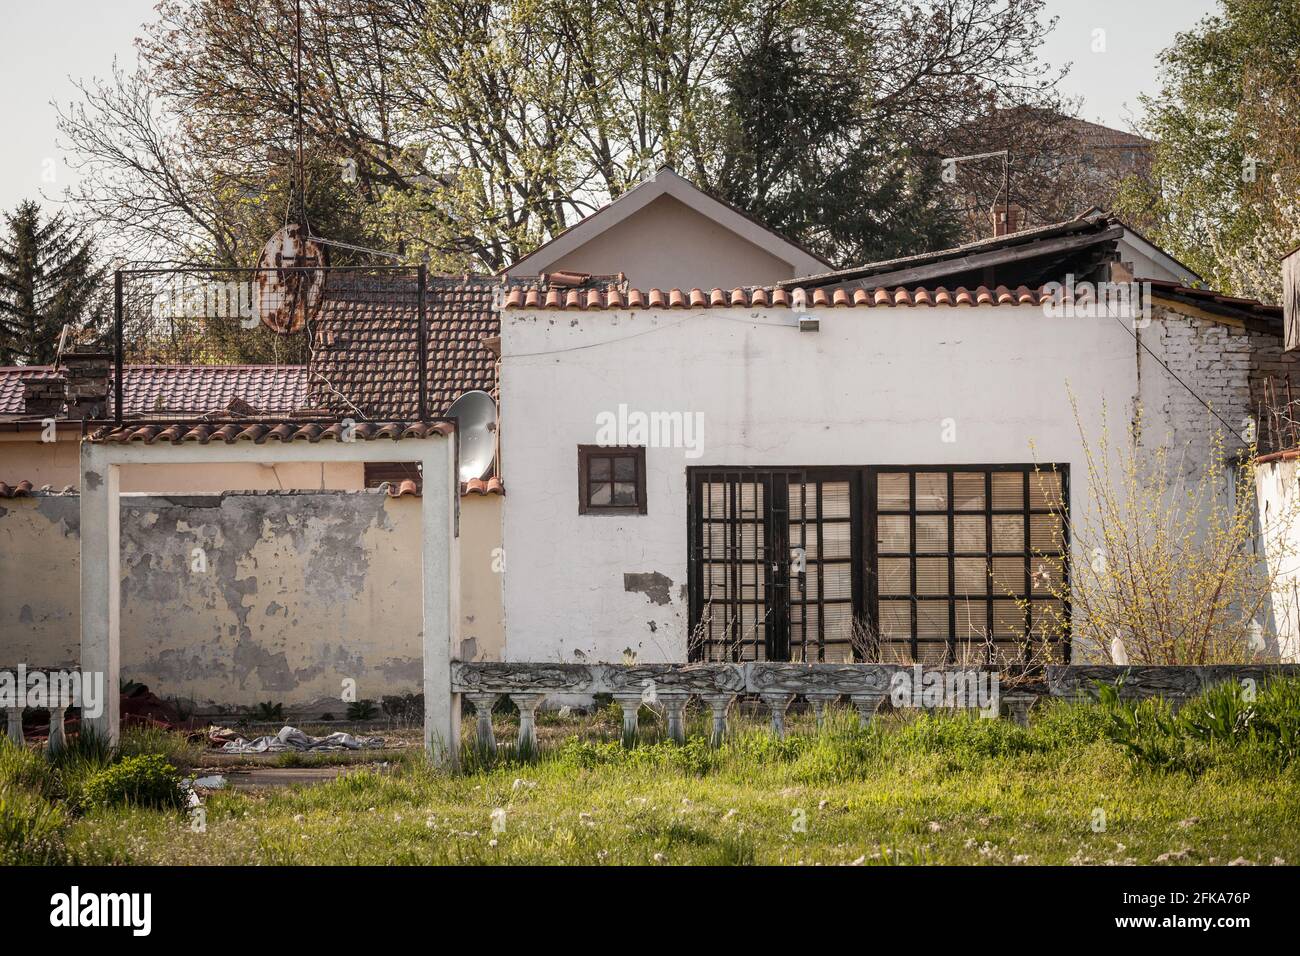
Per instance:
{"type": "Point", "coordinates": [232, 599]}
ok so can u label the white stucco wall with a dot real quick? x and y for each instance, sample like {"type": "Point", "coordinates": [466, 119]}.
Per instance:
{"type": "Point", "coordinates": [1277, 486]}
{"type": "Point", "coordinates": [871, 387]}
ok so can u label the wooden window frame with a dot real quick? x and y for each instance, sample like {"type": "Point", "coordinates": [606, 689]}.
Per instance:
{"type": "Point", "coordinates": [586, 453]}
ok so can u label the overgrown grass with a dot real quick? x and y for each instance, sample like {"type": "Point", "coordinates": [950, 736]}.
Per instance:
{"type": "Point", "coordinates": [910, 789]}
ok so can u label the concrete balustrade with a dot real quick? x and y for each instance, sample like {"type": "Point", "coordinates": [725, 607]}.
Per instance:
{"type": "Point", "coordinates": [865, 686]}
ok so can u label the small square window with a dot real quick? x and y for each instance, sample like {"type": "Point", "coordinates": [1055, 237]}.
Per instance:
{"type": "Point", "coordinates": [611, 480]}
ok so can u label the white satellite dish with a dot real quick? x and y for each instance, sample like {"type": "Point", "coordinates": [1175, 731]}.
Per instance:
{"type": "Point", "coordinates": [476, 424]}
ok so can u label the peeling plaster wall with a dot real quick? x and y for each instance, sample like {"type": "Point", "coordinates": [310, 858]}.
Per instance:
{"type": "Point", "coordinates": [40, 615]}
{"type": "Point", "coordinates": [482, 568]}
{"type": "Point", "coordinates": [291, 593]}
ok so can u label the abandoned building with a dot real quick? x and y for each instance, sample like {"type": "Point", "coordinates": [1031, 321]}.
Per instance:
{"type": "Point", "coordinates": [709, 446]}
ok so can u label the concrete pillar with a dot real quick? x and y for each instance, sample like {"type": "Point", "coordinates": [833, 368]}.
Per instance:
{"type": "Point", "coordinates": [820, 700]}
{"type": "Point", "coordinates": [483, 704]}
{"type": "Point", "coordinates": [718, 704]}
{"type": "Point", "coordinates": [675, 708]}
{"type": "Point", "coordinates": [14, 725]}
{"type": "Point", "coordinates": [527, 704]}
{"type": "Point", "coordinates": [866, 705]}
{"type": "Point", "coordinates": [630, 701]}
{"type": "Point", "coordinates": [100, 584]}
{"type": "Point", "coordinates": [777, 703]}
{"type": "Point", "coordinates": [58, 738]}
{"type": "Point", "coordinates": [440, 584]}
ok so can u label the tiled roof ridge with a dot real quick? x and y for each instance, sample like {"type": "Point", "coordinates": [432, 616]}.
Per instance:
{"type": "Point", "coordinates": [774, 297]}
{"type": "Point", "coordinates": [261, 432]}
{"type": "Point", "coordinates": [25, 489]}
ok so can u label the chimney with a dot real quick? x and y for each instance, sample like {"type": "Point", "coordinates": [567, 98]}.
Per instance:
{"type": "Point", "coordinates": [89, 372]}
{"type": "Point", "coordinates": [1291, 299]}
{"type": "Point", "coordinates": [43, 395]}
{"type": "Point", "coordinates": [1008, 219]}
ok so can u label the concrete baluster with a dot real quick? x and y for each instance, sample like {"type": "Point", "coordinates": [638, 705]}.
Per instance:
{"type": "Point", "coordinates": [483, 704]}
{"type": "Point", "coordinates": [777, 703]}
{"type": "Point", "coordinates": [719, 705]}
{"type": "Point", "coordinates": [15, 726]}
{"type": "Point", "coordinates": [527, 704]}
{"type": "Point", "coordinates": [631, 703]}
{"type": "Point", "coordinates": [867, 705]}
{"type": "Point", "coordinates": [675, 708]}
{"type": "Point", "coordinates": [820, 700]}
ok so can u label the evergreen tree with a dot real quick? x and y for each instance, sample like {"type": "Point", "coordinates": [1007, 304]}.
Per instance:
{"type": "Point", "coordinates": [48, 279]}
{"type": "Point", "coordinates": [804, 154]}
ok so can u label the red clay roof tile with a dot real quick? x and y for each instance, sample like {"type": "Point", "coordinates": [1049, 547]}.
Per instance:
{"type": "Point", "coordinates": [261, 432]}
{"type": "Point", "coordinates": [781, 297]}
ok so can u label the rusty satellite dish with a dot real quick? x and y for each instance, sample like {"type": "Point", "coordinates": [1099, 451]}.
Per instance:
{"type": "Point", "coordinates": [290, 280]}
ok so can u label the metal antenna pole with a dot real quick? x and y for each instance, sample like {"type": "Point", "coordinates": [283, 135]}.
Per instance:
{"type": "Point", "coordinates": [300, 171]}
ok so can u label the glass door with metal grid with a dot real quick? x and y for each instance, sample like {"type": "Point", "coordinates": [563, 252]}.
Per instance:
{"type": "Point", "coordinates": [773, 554]}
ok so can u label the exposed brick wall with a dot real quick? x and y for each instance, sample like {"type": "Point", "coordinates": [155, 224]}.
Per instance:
{"type": "Point", "coordinates": [1268, 360]}
{"type": "Point", "coordinates": [1226, 365]}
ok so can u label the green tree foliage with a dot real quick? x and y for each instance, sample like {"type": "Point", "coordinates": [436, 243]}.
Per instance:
{"type": "Point", "coordinates": [1223, 197]}
{"type": "Point", "coordinates": [479, 129]}
{"type": "Point", "coordinates": [801, 152]}
{"type": "Point", "coordinates": [48, 279]}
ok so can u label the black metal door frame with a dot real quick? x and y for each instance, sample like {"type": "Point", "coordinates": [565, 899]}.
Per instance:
{"type": "Point", "coordinates": [777, 548]}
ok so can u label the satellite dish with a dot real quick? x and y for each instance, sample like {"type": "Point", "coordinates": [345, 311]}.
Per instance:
{"type": "Point", "coordinates": [476, 424]}
{"type": "Point", "coordinates": [290, 280]}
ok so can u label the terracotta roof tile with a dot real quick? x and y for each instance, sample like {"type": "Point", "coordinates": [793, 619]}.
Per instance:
{"type": "Point", "coordinates": [25, 489]}
{"type": "Point", "coordinates": [159, 390]}
{"type": "Point", "coordinates": [480, 486]}
{"type": "Point", "coordinates": [400, 489]}
{"type": "Point", "coordinates": [21, 490]}
{"type": "Point", "coordinates": [371, 369]}
{"type": "Point", "coordinates": [262, 432]}
{"type": "Point", "coordinates": [781, 297]}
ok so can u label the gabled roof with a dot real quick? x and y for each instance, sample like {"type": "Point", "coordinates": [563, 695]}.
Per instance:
{"type": "Point", "coordinates": [666, 182]}
{"type": "Point", "coordinates": [1095, 136]}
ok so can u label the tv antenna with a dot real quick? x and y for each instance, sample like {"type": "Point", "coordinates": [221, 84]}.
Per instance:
{"type": "Point", "coordinates": [950, 165]}
{"type": "Point", "coordinates": [299, 197]}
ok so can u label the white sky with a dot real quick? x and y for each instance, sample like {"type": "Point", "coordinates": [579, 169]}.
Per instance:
{"type": "Point", "coordinates": [47, 42]}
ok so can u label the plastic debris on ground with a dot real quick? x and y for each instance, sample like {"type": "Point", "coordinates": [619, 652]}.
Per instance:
{"type": "Point", "coordinates": [293, 740]}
